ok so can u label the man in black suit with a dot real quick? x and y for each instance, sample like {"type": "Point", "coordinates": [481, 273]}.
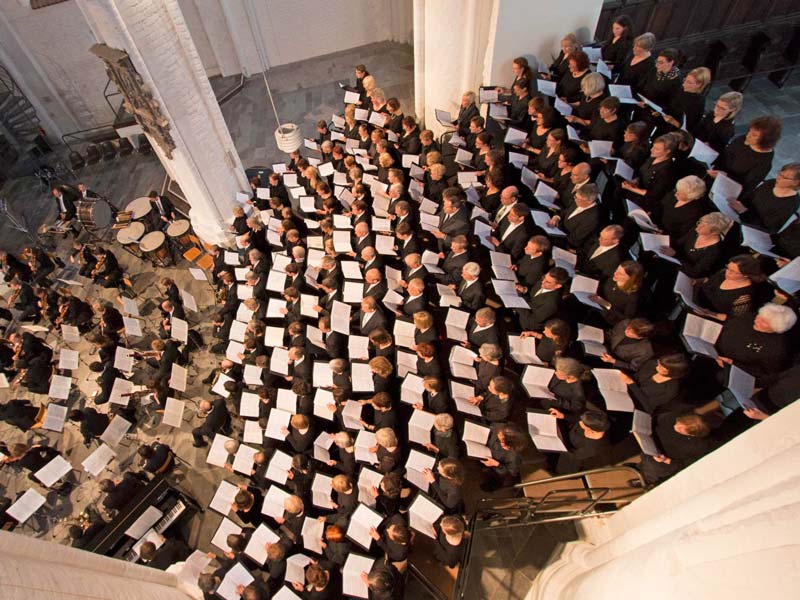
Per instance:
{"type": "Point", "coordinates": [65, 200]}
{"type": "Point", "coordinates": [87, 194]}
{"type": "Point", "coordinates": [169, 311]}
{"type": "Point", "coordinates": [302, 367]}
{"type": "Point", "coordinates": [516, 234]}
{"type": "Point", "coordinates": [216, 418]}
{"type": "Point", "coordinates": [601, 258]}
{"type": "Point", "coordinates": [404, 213]}
{"type": "Point", "coordinates": [416, 301]}
{"type": "Point", "coordinates": [362, 238]}
{"type": "Point", "coordinates": [455, 260]}
{"type": "Point", "coordinates": [374, 284]}
{"type": "Point", "coordinates": [119, 493]}
{"type": "Point", "coordinates": [156, 458]}
{"type": "Point", "coordinates": [162, 212]}
{"type": "Point", "coordinates": [482, 328]}
{"type": "Point", "coordinates": [470, 290]}
{"type": "Point", "coordinates": [509, 198]}
{"type": "Point", "coordinates": [171, 551]}
{"type": "Point", "coordinates": [369, 317]}
{"type": "Point", "coordinates": [413, 269]}
{"type": "Point", "coordinates": [579, 176]}
{"type": "Point", "coordinates": [453, 218]}
{"type": "Point", "coordinates": [109, 274]}
{"type": "Point", "coordinates": [582, 221]}
{"type": "Point", "coordinates": [335, 342]}
{"type": "Point", "coordinates": [26, 301]}
{"type": "Point", "coordinates": [258, 281]}
{"type": "Point", "coordinates": [407, 242]}
{"type": "Point", "coordinates": [545, 300]}
{"type": "Point", "coordinates": [534, 263]}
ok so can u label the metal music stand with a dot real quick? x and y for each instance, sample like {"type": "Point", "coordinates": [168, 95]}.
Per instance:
{"type": "Point", "coordinates": [19, 224]}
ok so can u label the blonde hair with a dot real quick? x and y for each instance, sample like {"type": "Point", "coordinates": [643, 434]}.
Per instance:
{"type": "Point", "coordinates": [702, 75]}
{"type": "Point", "coordinates": [293, 504]}
{"type": "Point", "coordinates": [381, 365]}
{"type": "Point", "coordinates": [423, 319]}
{"type": "Point", "coordinates": [341, 483]}
{"type": "Point", "coordinates": [386, 437]}
{"type": "Point", "coordinates": [438, 170]}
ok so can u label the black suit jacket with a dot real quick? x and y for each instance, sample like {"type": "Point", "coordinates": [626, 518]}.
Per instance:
{"type": "Point", "coordinates": [485, 336]}
{"type": "Point", "coordinates": [603, 265]}
{"type": "Point", "coordinates": [543, 307]}
{"type": "Point", "coordinates": [451, 265]}
{"type": "Point", "coordinates": [582, 227]}
{"type": "Point", "coordinates": [514, 244]}
{"type": "Point", "coordinates": [531, 270]}
{"type": "Point", "coordinates": [472, 297]}
{"type": "Point", "coordinates": [414, 306]}
{"type": "Point", "coordinates": [409, 143]}
{"type": "Point", "coordinates": [377, 321]}
{"type": "Point", "coordinates": [377, 292]}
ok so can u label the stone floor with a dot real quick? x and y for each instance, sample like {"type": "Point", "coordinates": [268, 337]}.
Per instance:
{"type": "Point", "coordinates": [303, 93]}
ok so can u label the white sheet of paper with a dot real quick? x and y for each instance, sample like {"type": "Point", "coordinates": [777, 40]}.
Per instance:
{"type": "Point", "coordinates": [116, 430]}
{"type": "Point", "coordinates": [133, 327]}
{"type": "Point", "coordinates": [543, 429]}
{"type": "Point", "coordinates": [536, 379]}
{"type": "Point", "coordinates": [68, 359]}
{"type": "Point", "coordinates": [53, 471]}
{"type": "Point", "coordinates": [173, 412]}
{"type": "Point", "coordinates": [224, 497]}
{"type": "Point", "coordinates": [97, 460]}
{"type": "Point", "coordinates": [177, 378]}
{"type": "Point", "coordinates": [217, 454]}
{"type": "Point", "coordinates": [273, 502]}
{"type": "Point", "coordinates": [54, 417]}
{"type": "Point", "coordinates": [26, 505]}
{"type": "Point", "coordinates": [277, 419]}
{"type": "Point", "coordinates": [146, 520]}
{"type": "Point", "coordinates": [60, 387]}
{"type": "Point", "coordinates": [256, 547]}
{"type": "Point", "coordinates": [354, 566]}
{"type": "Point", "coordinates": [361, 521]}
{"type": "Point", "coordinates": [238, 575]}
{"type": "Point", "coordinates": [423, 513]}
{"type": "Point", "coordinates": [312, 535]}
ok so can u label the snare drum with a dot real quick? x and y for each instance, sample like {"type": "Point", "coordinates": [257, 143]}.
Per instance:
{"type": "Point", "coordinates": [179, 231]}
{"type": "Point", "coordinates": [139, 207]}
{"type": "Point", "coordinates": [154, 245]}
{"type": "Point", "coordinates": [130, 234]}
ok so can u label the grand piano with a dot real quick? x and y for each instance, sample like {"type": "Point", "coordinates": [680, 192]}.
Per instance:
{"type": "Point", "coordinates": [158, 506]}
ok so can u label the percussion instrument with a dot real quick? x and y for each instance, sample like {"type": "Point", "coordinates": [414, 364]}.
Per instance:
{"type": "Point", "coordinates": [130, 234]}
{"type": "Point", "coordinates": [57, 227]}
{"type": "Point", "coordinates": [123, 219]}
{"type": "Point", "coordinates": [179, 231]}
{"type": "Point", "coordinates": [154, 245]}
{"type": "Point", "coordinates": [139, 207]}
{"type": "Point", "coordinates": [94, 214]}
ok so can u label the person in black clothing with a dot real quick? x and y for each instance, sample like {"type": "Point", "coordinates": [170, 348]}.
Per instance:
{"type": "Point", "coordinates": [446, 485]}
{"type": "Point", "coordinates": [31, 458]}
{"type": "Point", "coordinates": [92, 423]}
{"type": "Point", "coordinates": [656, 176]}
{"type": "Point", "coordinates": [748, 158]}
{"type": "Point", "coordinates": [505, 443]}
{"type": "Point", "coordinates": [80, 535]}
{"type": "Point", "coordinates": [216, 419]}
{"type": "Point", "coordinates": [171, 551]}
{"type": "Point", "coordinates": [773, 203]}
{"type": "Point", "coordinates": [119, 493]}
{"type": "Point", "coordinates": [450, 540]}
{"type": "Point", "coordinates": [247, 505]}
{"type": "Point", "coordinates": [337, 547]}
{"type": "Point", "coordinates": [588, 444]}
{"type": "Point", "coordinates": [157, 458]}
{"type": "Point", "coordinates": [658, 383]}
{"type": "Point", "coordinates": [639, 66]}
{"type": "Point", "coordinates": [395, 541]}
{"type": "Point", "coordinates": [716, 128]}
{"type": "Point", "coordinates": [467, 111]}
{"type": "Point", "coordinates": [617, 47]}
{"type": "Point", "coordinates": [161, 212]}
{"type": "Point", "coordinates": [682, 439]}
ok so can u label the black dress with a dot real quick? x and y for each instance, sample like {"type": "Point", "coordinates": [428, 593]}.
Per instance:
{"type": "Point", "coordinates": [547, 162]}
{"type": "Point", "coordinates": [733, 302]}
{"type": "Point", "coordinates": [657, 179]}
{"type": "Point", "coordinates": [570, 398]}
{"type": "Point", "coordinates": [636, 75]}
{"type": "Point", "coordinates": [716, 135]}
{"type": "Point", "coordinates": [758, 353]}
{"type": "Point", "coordinates": [569, 86]}
{"type": "Point", "coordinates": [615, 51]}
{"type": "Point", "coordinates": [689, 105]}
{"type": "Point", "coordinates": [699, 262]}
{"type": "Point", "coordinates": [661, 88]}
{"type": "Point", "coordinates": [588, 108]}
{"type": "Point", "coordinates": [743, 164]}
{"type": "Point", "coordinates": [768, 211]}
{"type": "Point", "coordinates": [650, 395]}
{"type": "Point", "coordinates": [536, 140]}
{"type": "Point", "coordinates": [678, 221]}
{"type": "Point", "coordinates": [634, 154]}
{"type": "Point", "coordinates": [623, 304]}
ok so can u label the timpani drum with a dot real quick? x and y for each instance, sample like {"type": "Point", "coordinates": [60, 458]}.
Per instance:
{"type": "Point", "coordinates": [179, 231]}
{"type": "Point", "coordinates": [139, 208]}
{"type": "Point", "coordinates": [94, 214]}
{"type": "Point", "coordinates": [130, 234]}
{"type": "Point", "coordinates": [154, 246]}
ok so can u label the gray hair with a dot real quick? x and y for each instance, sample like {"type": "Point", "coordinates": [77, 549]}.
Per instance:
{"type": "Point", "coordinates": [486, 313]}
{"type": "Point", "coordinates": [588, 191]}
{"type": "Point", "coordinates": [338, 365]}
{"type": "Point", "coordinates": [592, 84]}
{"type": "Point", "coordinates": [443, 421]}
{"type": "Point", "coordinates": [472, 268]}
{"type": "Point", "coordinates": [646, 41]}
{"type": "Point", "coordinates": [343, 440]}
{"type": "Point", "coordinates": [691, 186]}
{"type": "Point", "coordinates": [470, 95]}
{"type": "Point", "coordinates": [386, 437]}
{"type": "Point", "coordinates": [490, 351]}
{"type": "Point", "coordinates": [780, 318]}
{"type": "Point", "coordinates": [734, 100]}
{"type": "Point", "coordinates": [570, 367]}
{"type": "Point", "coordinates": [715, 221]}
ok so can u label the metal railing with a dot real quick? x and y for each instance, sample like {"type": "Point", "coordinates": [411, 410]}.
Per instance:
{"type": "Point", "coordinates": [611, 469]}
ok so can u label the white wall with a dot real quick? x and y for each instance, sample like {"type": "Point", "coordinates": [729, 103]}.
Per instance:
{"type": "Point", "coordinates": [49, 48]}
{"type": "Point", "coordinates": [726, 527]}
{"type": "Point", "coordinates": [534, 28]}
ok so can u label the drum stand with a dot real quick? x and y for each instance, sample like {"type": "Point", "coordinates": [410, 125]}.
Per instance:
{"type": "Point", "coordinates": [20, 225]}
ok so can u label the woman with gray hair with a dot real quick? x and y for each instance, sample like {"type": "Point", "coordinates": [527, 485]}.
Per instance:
{"type": "Point", "coordinates": [701, 252]}
{"type": "Point", "coordinates": [593, 87]}
{"type": "Point", "coordinates": [759, 344]}
{"type": "Point", "coordinates": [637, 70]}
{"type": "Point", "coordinates": [716, 128]}
{"type": "Point", "coordinates": [679, 211]}
{"type": "Point", "coordinates": [387, 451]}
{"type": "Point", "coordinates": [567, 387]}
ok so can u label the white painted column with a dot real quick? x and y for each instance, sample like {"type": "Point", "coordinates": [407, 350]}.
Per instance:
{"type": "Point", "coordinates": [204, 163]}
{"type": "Point", "coordinates": [726, 527]}
{"type": "Point", "coordinates": [462, 44]}
{"type": "Point", "coordinates": [39, 570]}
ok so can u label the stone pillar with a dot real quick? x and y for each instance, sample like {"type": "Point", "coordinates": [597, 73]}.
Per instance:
{"type": "Point", "coordinates": [204, 162]}
{"type": "Point", "coordinates": [726, 527]}
{"type": "Point", "coordinates": [462, 44]}
{"type": "Point", "coordinates": [39, 570]}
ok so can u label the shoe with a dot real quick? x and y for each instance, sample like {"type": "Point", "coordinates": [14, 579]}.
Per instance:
{"type": "Point", "coordinates": [203, 445]}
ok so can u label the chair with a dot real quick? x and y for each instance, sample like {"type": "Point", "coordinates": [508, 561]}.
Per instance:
{"type": "Point", "coordinates": [76, 161]}
{"type": "Point", "coordinates": [192, 254]}
{"type": "Point", "coordinates": [92, 155]}
{"type": "Point", "coordinates": [205, 262]}
{"type": "Point", "coordinates": [144, 144]}
{"type": "Point", "coordinates": [108, 150]}
{"type": "Point", "coordinates": [125, 147]}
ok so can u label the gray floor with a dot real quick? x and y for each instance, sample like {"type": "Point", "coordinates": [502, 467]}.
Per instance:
{"type": "Point", "coordinates": [303, 93]}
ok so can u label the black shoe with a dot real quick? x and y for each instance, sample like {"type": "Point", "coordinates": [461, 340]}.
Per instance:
{"type": "Point", "coordinates": [201, 445]}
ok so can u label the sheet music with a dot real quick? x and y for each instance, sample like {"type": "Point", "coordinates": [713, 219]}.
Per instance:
{"type": "Point", "coordinates": [177, 378]}
{"type": "Point", "coordinates": [217, 454]}
{"type": "Point", "coordinates": [423, 513]}
{"type": "Point", "coordinates": [354, 566]}
{"type": "Point", "coordinates": [233, 350]}
{"type": "Point", "coordinates": [243, 461]}
{"type": "Point", "coordinates": [179, 329]}
{"type": "Point", "coordinates": [97, 460]}
{"type": "Point", "coordinates": [277, 420]}
{"type": "Point", "coordinates": [543, 429]}
{"type": "Point", "coordinates": [193, 566]}
{"type": "Point", "coordinates": [419, 427]}
{"type": "Point", "coordinates": [321, 400]}
{"type": "Point", "coordinates": [60, 387]}
{"type": "Point", "coordinates": [273, 502]}
{"type": "Point", "coordinates": [279, 362]}
{"type": "Point", "coordinates": [312, 535]}
{"type": "Point", "coordinates": [219, 386]}
{"type": "Point", "coordinates": [224, 497]}
{"type": "Point", "coordinates": [361, 521]}
{"type": "Point", "coordinates": [173, 412]}
{"type": "Point", "coordinates": [642, 430]}
{"type": "Point", "coordinates": [253, 434]}
{"type": "Point", "coordinates": [600, 149]}
{"type": "Point", "coordinates": [198, 274]}
{"type": "Point", "coordinates": [592, 339]}
{"type": "Point", "coordinates": [68, 359]}
{"type": "Point", "coordinates": [146, 520]}
{"type": "Point", "coordinates": [546, 88]}
{"type": "Point", "coordinates": [115, 431]}
{"type": "Point", "coordinates": [70, 334]}
{"type": "Point", "coordinates": [53, 471]}
{"type": "Point", "coordinates": [536, 379]}
{"type": "Point", "coordinates": [238, 575]}
{"type": "Point", "coordinates": [252, 375]}
{"type": "Point", "coordinates": [364, 441]}
{"type": "Point", "coordinates": [417, 462]}
{"type": "Point", "coordinates": [123, 359]}
{"type": "Point", "coordinates": [255, 548]}
{"type": "Point", "coordinates": [54, 417]}
{"type": "Point", "coordinates": [684, 288]}
{"type": "Point", "coordinates": [523, 350]}
{"type": "Point", "coordinates": [26, 505]}
{"type": "Point", "coordinates": [249, 405]}
{"type": "Point", "coordinates": [361, 376]}
{"type": "Point", "coordinates": [133, 326]}
{"type": "Point", "coordinates": [412, 389]}
{"type": "Point", "coordinates": [321, 489]}
{"type": "Point", "coordinates": [703, 153]}
{"type": "Point", "coordinates": [700, 335]}
{"type": "Point", "coordinates": [340, 317]}
{"type": "Point", "coordinates": [613, 390]}
{"type": "Point", "coordinates": [322, 375]}
{"type": "Point", "coordinates": [787, 277]}
{"type": "Point", "coordinates": [120, 391]}
{"type": "Point", "coordinates": [583, 287]}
